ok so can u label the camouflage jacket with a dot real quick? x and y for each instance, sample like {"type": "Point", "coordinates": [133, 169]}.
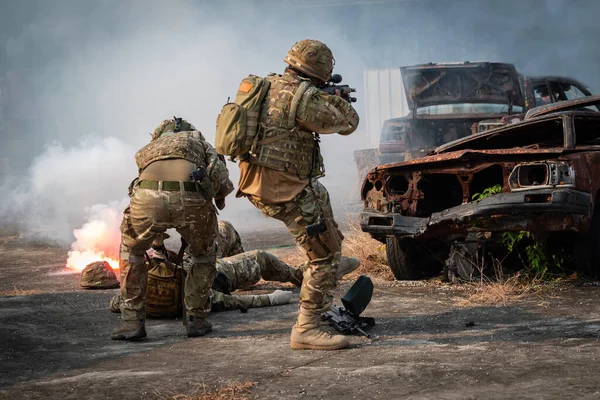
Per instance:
{"type": "Point", "coordinates": [293, 109]}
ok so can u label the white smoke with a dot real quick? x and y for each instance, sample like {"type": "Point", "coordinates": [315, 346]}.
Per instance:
{"type": "Point", "coordinates": [55, 195]}
{"type": "Point", "coordinates": [104, 99]}
{"type": "Point", "coordinates": [104, 75]}
{"type": "Point", "coordinates": [99, 238]}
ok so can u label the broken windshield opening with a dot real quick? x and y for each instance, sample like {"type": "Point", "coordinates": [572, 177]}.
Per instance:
{"type": "Point", "coordinates": [587, 131]}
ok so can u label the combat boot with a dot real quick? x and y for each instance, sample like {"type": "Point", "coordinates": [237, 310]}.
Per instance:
{"type": "Point", "coordinates": [130, 330]}
{"type": "Point", "coordinates": [197, 326]}
{"type": "Point", "coordinates": [347, 265]}
{"type": "Point", "coordinates": [307, 334]}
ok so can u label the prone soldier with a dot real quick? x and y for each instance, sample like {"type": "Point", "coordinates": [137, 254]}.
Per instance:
{"type": "Point", "coordinates": [236, 271]}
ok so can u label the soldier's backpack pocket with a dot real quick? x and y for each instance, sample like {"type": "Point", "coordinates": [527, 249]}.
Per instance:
{"type": "Point", "coordinates": [231, 130]}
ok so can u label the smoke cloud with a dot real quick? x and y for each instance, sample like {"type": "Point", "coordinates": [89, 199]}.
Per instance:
{"type": "Point", "coordinates": [82, 84]}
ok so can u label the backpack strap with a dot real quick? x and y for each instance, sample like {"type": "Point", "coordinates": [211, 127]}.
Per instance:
{"type": "Point", "coordinates": [304, 85]}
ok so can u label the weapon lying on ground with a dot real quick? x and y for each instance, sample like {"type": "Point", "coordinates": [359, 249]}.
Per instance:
{"type": "Point", "coordinates": [348, 320]}
{"type": "Point", "coordinates": [332, 87]}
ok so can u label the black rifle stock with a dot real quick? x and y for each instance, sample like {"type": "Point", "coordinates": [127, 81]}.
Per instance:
{"type": "Point", "coordinates": [348, 320]}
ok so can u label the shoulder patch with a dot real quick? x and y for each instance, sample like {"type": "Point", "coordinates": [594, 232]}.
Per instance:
{"type": "Point", "coordinates": [245, 87]}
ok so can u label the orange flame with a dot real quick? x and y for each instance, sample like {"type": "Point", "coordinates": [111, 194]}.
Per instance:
{"type": "Point", "coordinates": [79, 259]}
{"type": "Point", "coordinates": [97, 240]}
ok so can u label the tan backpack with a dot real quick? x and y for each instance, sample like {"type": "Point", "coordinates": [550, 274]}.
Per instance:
{"type": "Point", "coordinates": [164, 296]}
{"type": "Point", "coordinates": [237, 124]}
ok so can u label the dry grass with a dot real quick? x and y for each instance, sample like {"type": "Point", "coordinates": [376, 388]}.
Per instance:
{"type": "Point", "coordinates": [498, 292]}
{"type": "Point", "coordinates": [231, 391]}
{"type": "Point", "coordinates": [369, 251]}
{"type": "Point", "coordinates": [19, 292]}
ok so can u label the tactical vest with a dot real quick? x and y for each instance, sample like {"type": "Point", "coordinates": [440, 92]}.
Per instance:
{"type": "Point", "coordinates": [283, 145]}
{"type": "Point", "coordinates": [187, 145]}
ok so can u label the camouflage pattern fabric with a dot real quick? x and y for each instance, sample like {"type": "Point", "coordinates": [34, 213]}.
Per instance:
{"type": "Point", "coordinates": [185, 145]}
{"type": "Point", "coordinates": [311, 57]}
{"type": "Point", "coordinates": [98, 275]}
{"type": "Point", "coordinates": [192, 147]}
{"type": "Point", "coordinates": [243, 270]}
{"type": "Point", "coordinates": [309, 207]}
{"type": "Point", "coordinates": [246, 269]}
{"type": "Point", "coordinates": [151, 213]}
{"type": "Point", "coordinates": [288, 143]}
{"type": "Point", "coordinates": [226, 302]}
{"type": "Point", "coordinates": [229, 242]}
{"type": "Point", "coordinates": [172, 125]}
{"type": "Point", "coordinates": [219, 302]}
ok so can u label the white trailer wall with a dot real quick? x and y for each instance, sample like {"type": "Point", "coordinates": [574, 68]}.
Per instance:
{"type": "Point", "coordinates": [384, 99]}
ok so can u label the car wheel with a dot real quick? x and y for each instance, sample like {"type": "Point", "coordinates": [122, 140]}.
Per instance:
{"type": "Point", "coordinates": [587, 249]}
{"type": "Point", "coordinates": [400, 258]}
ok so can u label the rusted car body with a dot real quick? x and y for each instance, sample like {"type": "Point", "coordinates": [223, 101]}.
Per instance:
{"type": "Point", "coordinates": [449, 101]}
{"type": "Point", "coordinates": [445, 101]}
{"type": "Point", "coordinates": [548, 168]}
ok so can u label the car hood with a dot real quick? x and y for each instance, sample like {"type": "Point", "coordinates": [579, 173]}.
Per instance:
{"type": "Point", "coordinates": [568, 105]}
{"type": "Point", "coordinates": [454, 83]}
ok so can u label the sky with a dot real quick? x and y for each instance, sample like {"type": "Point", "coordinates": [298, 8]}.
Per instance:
{"type": "Point", "coordinates": [82, 84]}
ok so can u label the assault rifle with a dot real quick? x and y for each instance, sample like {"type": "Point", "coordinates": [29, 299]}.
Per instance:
{"type": "Point", "coordinates": [332, 87]}
{"type": "Point", "coordinates": [348, 320]}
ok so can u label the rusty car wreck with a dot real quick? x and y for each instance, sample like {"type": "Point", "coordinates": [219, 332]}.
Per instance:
{"type": "Point", "coordinates": [548, 169]}
{"type": "Point", "coordinates": [448, 101]}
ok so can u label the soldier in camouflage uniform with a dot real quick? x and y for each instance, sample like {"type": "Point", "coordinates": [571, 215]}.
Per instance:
{"type": "Point", "coordinates": [244, 270]}
{"type": "Point", "coordinates": [280, 177]}
{"type": "Point", "coordinates": [229, 242]}
{"type": "Point", "coordinates": [240, 272]}
{"type": "Point", "coordinates": [180, 174]}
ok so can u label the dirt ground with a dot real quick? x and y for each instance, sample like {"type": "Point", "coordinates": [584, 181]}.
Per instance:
{"type": "Point", "coordinates": [55, 344]}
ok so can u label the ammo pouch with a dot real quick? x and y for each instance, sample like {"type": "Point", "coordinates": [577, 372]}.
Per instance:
{"type": "Point", "coordinates": [323, 239]}
{"type": "Point", "coordinates": [164, 294]}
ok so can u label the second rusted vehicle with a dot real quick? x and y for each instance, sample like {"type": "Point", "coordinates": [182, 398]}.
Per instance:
{"type": "Point", "coordinates": [547, 168]}
{"type": "Point", "coordinates": [448, 101]}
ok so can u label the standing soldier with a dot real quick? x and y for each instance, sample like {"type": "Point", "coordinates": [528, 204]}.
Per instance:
{"type": "Point", "coordinates": [280, 177]}
{"type": "Point", "coordinates": [180, 174]}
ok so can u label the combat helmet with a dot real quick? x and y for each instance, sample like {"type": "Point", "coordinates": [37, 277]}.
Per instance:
{"type": "Point", "coordinates": [174, 124]}
{"type": "Point", "coordinates": [311, 57]}
{"type": "Point", "coordinates": [98, 275]}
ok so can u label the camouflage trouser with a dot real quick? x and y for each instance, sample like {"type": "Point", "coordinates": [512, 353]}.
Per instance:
{"type": "Point", "coordinates": [246, 269]}
{"type": "Point", "coordinates": [219, 301]}
{"type": "Point", "coordinates": [323, 250]}
{"type": "Point", "coordinates": [226, 302]}
{"type": "Point", "coordinates": [150, 213]}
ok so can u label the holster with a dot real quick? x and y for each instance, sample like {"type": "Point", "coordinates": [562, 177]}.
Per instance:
{"type": "Point", "coordinates": [325, 243]}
